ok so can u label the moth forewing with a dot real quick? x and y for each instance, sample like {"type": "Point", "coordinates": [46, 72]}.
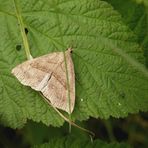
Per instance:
{"type": "Point", "coordinates": [47, 74]}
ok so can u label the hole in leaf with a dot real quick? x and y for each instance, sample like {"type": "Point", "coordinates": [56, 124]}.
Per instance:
{"type": "Point", "coordinates": [26, 31]}
{"type": "Point", "coordinates": [18, 47]}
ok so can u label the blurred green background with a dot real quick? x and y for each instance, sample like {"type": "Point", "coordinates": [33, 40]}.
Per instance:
{"type": "Point", "coordinates": [133, 130]}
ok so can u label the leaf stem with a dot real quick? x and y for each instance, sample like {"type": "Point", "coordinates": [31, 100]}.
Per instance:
{"type": "Point", "coordinates": [22, 28]}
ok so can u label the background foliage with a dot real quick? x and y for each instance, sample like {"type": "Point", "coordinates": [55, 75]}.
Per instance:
{"type": "Point", "coordinates": [107, 84]}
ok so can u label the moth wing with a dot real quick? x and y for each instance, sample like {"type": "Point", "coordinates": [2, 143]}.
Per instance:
{"type": "Point", "coordinates": [48, 75]}
{"type": "Point", "coordinates": [36, 72]}
{"type": "Point", "coordinates": [57, 91]}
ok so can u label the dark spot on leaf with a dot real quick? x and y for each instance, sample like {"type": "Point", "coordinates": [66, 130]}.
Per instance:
{"type": "Point", "coordinates": [122, 94]}
{"type": "Point", "coordinates": [18, 47]}
{"type": "Point", "coordinates": [26, 31]}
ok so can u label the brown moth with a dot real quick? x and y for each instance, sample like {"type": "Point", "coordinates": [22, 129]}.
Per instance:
{"type": "Point", "coordinates": [47, 74]}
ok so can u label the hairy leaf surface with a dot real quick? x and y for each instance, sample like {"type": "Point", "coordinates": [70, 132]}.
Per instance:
{"type": "Point", "coordinates": [106, 84]}
{"type": "Point", "coordinates": [136, 18]}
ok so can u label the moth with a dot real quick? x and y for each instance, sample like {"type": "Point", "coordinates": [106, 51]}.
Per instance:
{"type": "Point", "coordinates": [47, 74]}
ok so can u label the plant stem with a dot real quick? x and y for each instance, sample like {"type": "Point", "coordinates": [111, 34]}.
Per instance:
{"type": "Point", "coordinates": [68, 87]}
{"type": "Point", "coordinates": [22, 28]}
{"type": "Point", "coordinates": [109, 130]}
{"type": "Point", "coordinates": [67, 75]}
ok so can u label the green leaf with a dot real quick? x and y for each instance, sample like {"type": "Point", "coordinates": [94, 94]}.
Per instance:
{"type": "Point", "coordinates": [145, 2]}
{"type": "Point", "coordinates": [106, 84]}
{"type": "Point", "coordinates": [79, 143]}
{"type": "Point", "coordinates": [135, 16]}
